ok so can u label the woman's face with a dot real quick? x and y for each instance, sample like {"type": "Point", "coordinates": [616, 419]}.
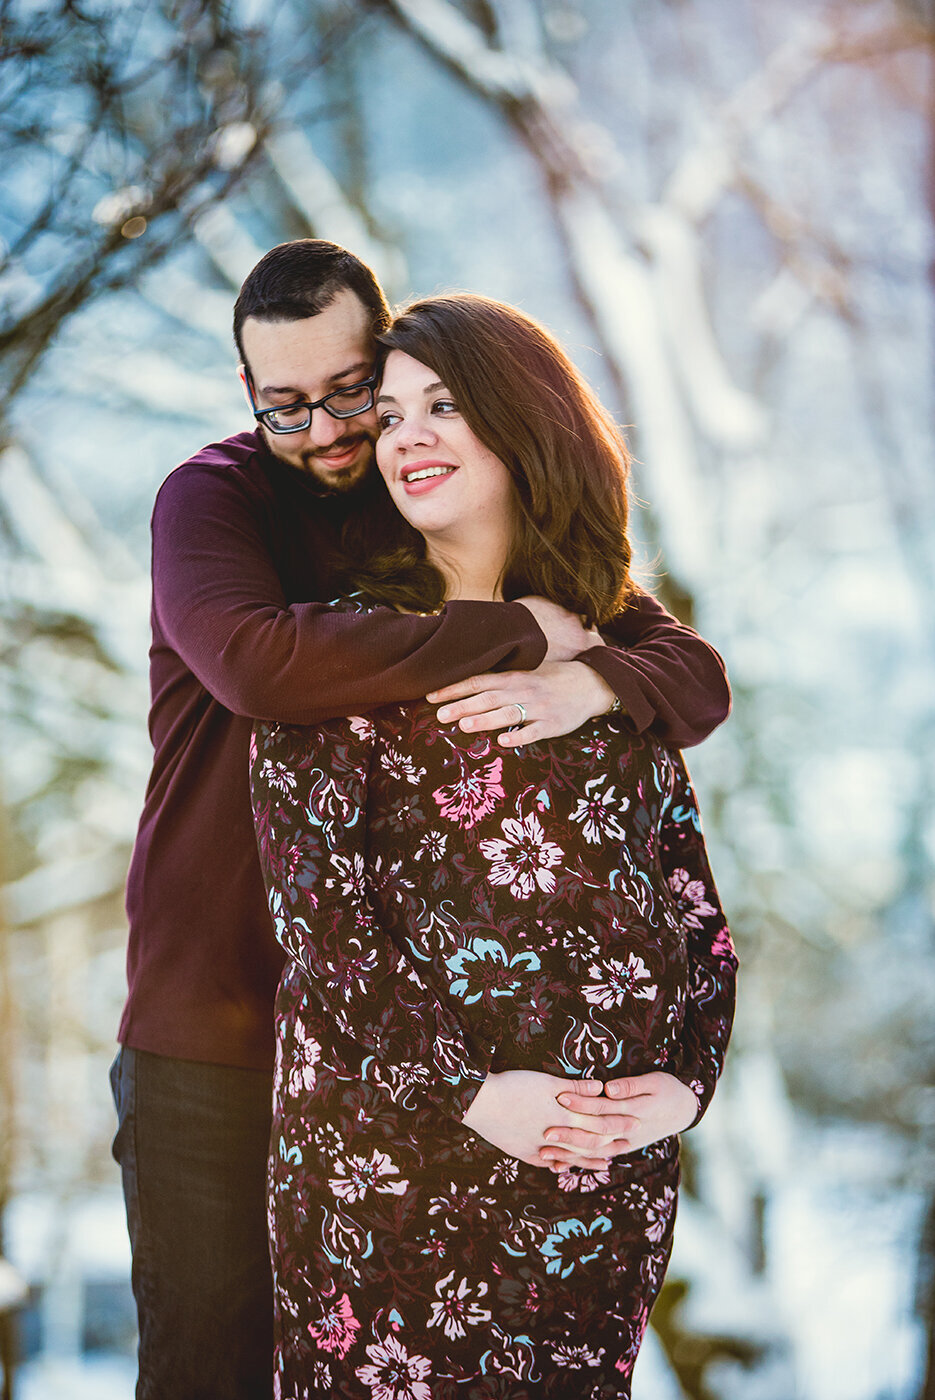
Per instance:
{"type": "Point", "coordinates": [440, 475]}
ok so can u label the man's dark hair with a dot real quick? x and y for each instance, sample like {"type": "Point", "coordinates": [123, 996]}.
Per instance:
{"type": "Point", "coordinates": [299, 279]}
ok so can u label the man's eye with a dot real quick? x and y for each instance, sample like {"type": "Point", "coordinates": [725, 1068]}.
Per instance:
{"type": "Point", "coordinates": [289, 412]}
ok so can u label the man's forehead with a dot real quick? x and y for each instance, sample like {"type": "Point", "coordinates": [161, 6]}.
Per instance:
{"type": "Point", "coordinates": [325, 346]}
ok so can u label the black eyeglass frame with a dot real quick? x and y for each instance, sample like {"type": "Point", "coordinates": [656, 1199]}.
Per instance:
{"type": "Point", "coordinates": [262, 415]}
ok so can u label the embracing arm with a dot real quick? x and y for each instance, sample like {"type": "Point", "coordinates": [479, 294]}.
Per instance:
{"type": "Point", "coordinates": [218, 603]}
{"type": "Point", "coordinates": [668, 679]}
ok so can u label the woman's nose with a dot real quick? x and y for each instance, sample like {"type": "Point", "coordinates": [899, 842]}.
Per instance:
{"type": "Point", "coordinates": [414, 432]}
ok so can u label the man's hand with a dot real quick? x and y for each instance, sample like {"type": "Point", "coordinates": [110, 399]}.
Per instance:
{"type": "Point", "coordinates": [656, 1105]}
{"type": "Point", "coordinates": [565, 633]}
{"type": "Point", "coordinates": [556, 698]}
{"type": "Point", "coordinates": [514, 1109]}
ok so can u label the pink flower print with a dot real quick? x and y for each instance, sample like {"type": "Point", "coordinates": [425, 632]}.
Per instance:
{"type": "Point", "coordinates": [432, 846]}
{"type": "Point", "coordinates": [473, 796]}
{"type": "Point", "coordinates": [620, 981]}
{"type": "Point", "coordinates": [400, 766]}
{"type": "Point", "coordinates": [599, 812]}
{"type": "Point", "coordinates": [574, 1357]}
{"type": "Point", "coordinates": [307, 1053]}
{"type": "Point", "coordinates": [357, 1176]}
{"type": "Point", "coordinates": [337, 1327]}
{"type": "Point", "coordinates": [454, 1312]}
{"type": "Point", "coordinates": [361, 726]}
{"type": "Point", "coordinates": [351, 875]}
{"type": "Point", "coordinates": [658, 1214]}
{"type": "Point", "coordinates": [524, 860]}
{"type": "Point", "coordinates": [280, 778]}
{"type": "Point", "coordinates": [394, 1374]}
{"type": "Point", "coordinates": [723, 946]}
{"type": "Point", "coordinates": [690, 898]}
{"type": "Point", "coordinates": [569, 1180]}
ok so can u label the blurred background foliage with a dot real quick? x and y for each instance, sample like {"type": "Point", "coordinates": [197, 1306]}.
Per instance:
{"type": "Point", "coordinates": [724, 208]}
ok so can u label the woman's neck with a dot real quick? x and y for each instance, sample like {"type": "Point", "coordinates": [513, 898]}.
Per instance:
{"type": "Point", "coordinates": [473, 567]}
{"type": "Point", "coordinates": [468, 578]}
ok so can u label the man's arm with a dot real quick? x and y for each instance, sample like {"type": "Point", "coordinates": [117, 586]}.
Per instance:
{"type": "Point", "coordinates": [668, 679]}
{"type": "Point", "coordinates": [218, 603]}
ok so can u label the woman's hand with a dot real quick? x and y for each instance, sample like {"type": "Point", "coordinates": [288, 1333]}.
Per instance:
{"type": "Point", "coordinates": [556, 698]}
{"type": "Point", "coordinates": [656, 1105]}
{"type": "Point", "coordinates": [515, 1109]}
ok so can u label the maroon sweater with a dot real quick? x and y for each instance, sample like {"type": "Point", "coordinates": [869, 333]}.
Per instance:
{"type": "Point", "coordinates": [243, 555]}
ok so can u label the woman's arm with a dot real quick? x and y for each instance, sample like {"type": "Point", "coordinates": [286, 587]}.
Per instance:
{"type": "Point", "coordinates": [661, 1103]}
{"type": "Point", "coordinates": [712, 961]}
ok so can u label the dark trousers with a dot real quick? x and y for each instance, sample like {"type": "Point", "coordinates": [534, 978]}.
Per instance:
{"type": "Point", "coordinates": [192, 1144]}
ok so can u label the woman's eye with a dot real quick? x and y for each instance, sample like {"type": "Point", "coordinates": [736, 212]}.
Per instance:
{"type": "Point", "coordinates": [387, 420]}
{"type": "Point", "coordinates": [444, 406]}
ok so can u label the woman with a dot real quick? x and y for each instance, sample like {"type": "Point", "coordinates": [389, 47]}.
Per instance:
{"type": "Point", "coordinates": [469, 928]}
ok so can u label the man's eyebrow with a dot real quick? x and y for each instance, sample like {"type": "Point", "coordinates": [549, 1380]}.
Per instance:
{"type": "Point", "coordinates": [362, 368]}
{"type": "Point", "coordinates": [432, 388]}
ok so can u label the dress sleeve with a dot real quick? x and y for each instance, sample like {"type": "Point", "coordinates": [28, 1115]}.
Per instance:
{"type": "Point", "coordinates": [669, 680]}
{"type": "Point", "coordinates": [218, 603]}
{"type": "Point", "coordinates": [309, 792]}
{"type": "Point", "coordinates": [712, 962]}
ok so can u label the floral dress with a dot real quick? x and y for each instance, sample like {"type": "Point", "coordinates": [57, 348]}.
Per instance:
{"type": "Point", "coordinates": [448, 908]}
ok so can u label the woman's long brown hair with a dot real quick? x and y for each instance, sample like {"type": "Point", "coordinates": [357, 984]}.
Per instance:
{"type": "Point", "coordinates": [523, 398]}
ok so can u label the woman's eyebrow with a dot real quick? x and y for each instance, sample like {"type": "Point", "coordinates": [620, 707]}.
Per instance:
{"type": "Point", "coordinates": [429, 389]}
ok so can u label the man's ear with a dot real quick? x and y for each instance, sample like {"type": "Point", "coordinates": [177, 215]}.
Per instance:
{"type": "Point", "coordinates": [242, 376]}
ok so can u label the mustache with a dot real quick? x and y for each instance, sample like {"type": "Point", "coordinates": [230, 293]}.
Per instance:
{"type": "Point", "coordinates": [340, 444]}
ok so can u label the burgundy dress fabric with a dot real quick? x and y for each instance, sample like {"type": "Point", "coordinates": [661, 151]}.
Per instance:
{"type": "Point", "coordinates": [447, 908]}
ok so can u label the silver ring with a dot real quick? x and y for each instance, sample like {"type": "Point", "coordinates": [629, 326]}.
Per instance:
{"type": "Point", "coordinates": [522, 713]}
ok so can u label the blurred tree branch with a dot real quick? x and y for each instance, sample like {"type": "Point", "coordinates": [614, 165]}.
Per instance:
{"type": "Point", "coordinates": [122, 127]}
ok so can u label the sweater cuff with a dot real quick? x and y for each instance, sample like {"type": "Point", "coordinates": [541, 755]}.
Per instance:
{"type": "Point", "coordinates": [638, 714]}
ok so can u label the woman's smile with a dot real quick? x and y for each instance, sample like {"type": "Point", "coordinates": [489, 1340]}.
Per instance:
{"type": "Point", "coordinates": [420, 477]}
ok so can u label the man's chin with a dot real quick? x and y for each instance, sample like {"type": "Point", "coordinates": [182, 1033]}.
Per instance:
{"type": "Point", "coordinates": [337, 482]}
{"type": "Point", "coordinates": [329, 480]}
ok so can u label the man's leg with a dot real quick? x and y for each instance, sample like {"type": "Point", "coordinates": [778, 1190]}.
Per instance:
{"type": "Point", "coordinates": [192, 1145]}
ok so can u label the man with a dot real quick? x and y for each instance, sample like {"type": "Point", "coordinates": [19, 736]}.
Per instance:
{"type": "Point", "coordinates": [243, 547]}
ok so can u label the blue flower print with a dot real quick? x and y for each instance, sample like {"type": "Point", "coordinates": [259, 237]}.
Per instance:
{"type": "Point", "coordinates": [572, 1242]}
{"type": "Point", "coordinates": [483, 969]}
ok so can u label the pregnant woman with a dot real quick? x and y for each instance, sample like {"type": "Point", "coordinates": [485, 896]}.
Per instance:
{"type": "Point", "coordinates": [470, 926]}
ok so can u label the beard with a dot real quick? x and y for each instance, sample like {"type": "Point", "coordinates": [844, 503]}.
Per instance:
{"type": "Point", "coordinates": [329, 481]}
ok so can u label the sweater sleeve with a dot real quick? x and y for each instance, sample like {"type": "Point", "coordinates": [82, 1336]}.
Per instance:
{"type": "Point", "coordinates": [218, 603]}
{"type": "Point", "coordinates": [309, 792]}
{"type": "Point", "coordinates": [668, 678]}
{"type": "Point", "coordinates": [712, 962]}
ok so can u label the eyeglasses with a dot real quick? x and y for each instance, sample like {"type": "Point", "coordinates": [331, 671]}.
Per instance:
{"type": "Point", "coordinates": [297, 417]}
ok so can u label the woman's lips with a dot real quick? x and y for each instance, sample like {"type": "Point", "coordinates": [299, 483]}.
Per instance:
{"type": "Point", "coordinates": [421, 477]}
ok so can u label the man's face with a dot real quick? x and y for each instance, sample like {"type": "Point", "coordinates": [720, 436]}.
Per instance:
{"type": "Point", "coordinates": [301, 361]}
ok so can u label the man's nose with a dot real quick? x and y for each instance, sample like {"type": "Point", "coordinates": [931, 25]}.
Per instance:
{"type": "Point", "coordinates": [324, 430]}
